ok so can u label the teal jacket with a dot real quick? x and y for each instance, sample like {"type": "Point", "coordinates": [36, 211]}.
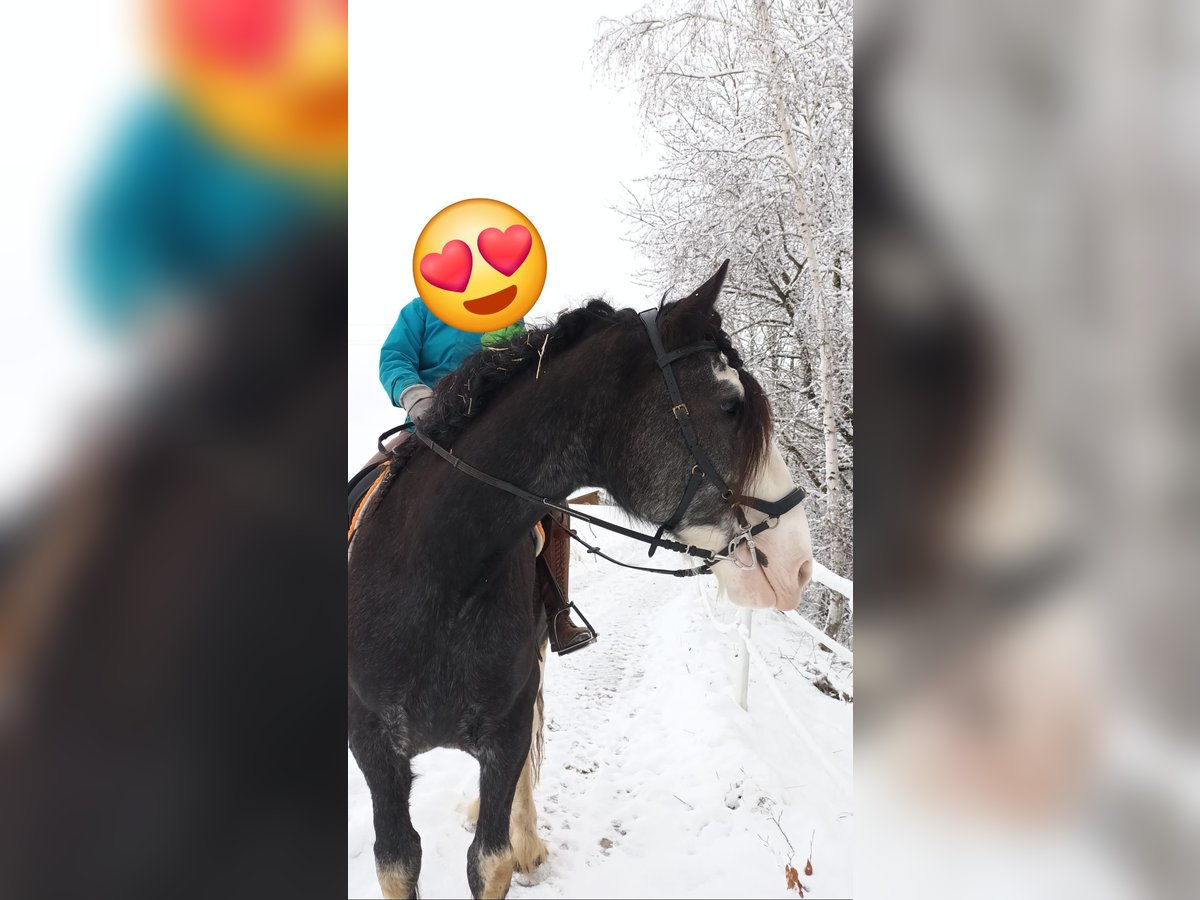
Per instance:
{"type": "Point", "coordinates": [175, 213]}
{"type": "Point", "coordinates": [421, 348]}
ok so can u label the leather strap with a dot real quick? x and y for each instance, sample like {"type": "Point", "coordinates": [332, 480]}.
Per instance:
{"type": "Point", "coordinates": [678, 407]}
{"type": "Point", "coordinates": [466, 468]}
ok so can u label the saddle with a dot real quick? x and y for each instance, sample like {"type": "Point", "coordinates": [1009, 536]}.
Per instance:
{"type": "Point", "coordinates": [362, 487]}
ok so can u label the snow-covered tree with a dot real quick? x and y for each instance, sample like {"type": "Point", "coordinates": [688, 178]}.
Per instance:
{"type": "Point", "coordinates": [750, 102]}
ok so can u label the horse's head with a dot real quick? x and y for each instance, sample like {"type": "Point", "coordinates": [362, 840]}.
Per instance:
{"type": "Point", "coordinates": [650, 462]}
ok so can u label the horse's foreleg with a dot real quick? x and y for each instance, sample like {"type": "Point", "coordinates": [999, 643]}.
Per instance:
{"type": "Point", "coordinates": [389, 777]}
{"type": "Point", "coordinates": [490, 857]}
{"type": "Point", "coordinates": [529, 850]}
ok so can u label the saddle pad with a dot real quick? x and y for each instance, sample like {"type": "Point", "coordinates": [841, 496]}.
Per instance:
{"type": "Point", "coordinates": [364, 486]}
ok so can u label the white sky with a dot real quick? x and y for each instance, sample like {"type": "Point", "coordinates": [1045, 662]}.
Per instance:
{"type": "Point", "coordinates": [457, 100]}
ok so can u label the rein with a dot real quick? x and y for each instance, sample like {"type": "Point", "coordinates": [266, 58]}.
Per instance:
{"type": "Point", "coordinates": [703, 468]}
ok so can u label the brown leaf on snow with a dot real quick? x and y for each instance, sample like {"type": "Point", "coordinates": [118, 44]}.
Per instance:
{"type": "Point", "coordinates": [808, 867]}
{"type": "Point", "coordinates": [793, 879]}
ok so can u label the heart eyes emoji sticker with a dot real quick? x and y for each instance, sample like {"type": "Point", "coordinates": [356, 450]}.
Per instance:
{"type": "Point", "coordinates": [505, 250]}
{"type": "Point", "coordinates": [451, 269]}
{"type": "Point", "coordinates": [486, 294]}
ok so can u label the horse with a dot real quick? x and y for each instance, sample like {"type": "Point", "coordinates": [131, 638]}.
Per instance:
{"type": "Point", "coordinates": [446, 636]}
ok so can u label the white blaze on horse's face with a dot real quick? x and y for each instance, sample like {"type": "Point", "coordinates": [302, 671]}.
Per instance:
{"type": "Point", "coordinates": [787, 546]}
{"type": "Point", "coordinates": [727, 374]}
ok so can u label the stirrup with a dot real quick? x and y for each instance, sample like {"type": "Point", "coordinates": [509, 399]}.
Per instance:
{"type": "Point", "coordinates": [552, 633]}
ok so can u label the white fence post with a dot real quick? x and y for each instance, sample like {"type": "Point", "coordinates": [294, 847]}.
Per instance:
{"type": "Point", "coordinates": [747, 649]}
{"type": "Point", "coordinates": [741, 686]}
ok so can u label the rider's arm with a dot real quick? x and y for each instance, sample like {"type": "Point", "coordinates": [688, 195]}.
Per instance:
{"type": "Point", "coordinates": [400, 358]}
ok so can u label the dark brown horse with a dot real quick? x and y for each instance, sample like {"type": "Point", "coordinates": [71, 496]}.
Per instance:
{"type": "Point", "coordinates": [445, 632]}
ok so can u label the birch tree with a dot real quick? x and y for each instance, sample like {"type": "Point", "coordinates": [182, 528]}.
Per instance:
{"type": "Point", "coordinates": [750, 104]}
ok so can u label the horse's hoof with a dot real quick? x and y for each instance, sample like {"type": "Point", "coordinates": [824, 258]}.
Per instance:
{"type": "Point", "coordinates": [529, 854]}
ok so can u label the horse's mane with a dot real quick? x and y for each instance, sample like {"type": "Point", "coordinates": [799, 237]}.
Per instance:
{"type": "Point", "coordinates": [460, 396]}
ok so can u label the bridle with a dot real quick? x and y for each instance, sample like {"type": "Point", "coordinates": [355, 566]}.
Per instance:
{"type": "Point", "coordinates": [702, 469]}
{"type": "Point", "coordinates": [703, 466]}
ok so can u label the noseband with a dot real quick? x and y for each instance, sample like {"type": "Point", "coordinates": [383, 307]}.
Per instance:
{"type": "Point", "coordinates": [702, 469]}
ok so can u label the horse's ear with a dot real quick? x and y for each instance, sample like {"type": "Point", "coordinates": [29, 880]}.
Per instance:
{"type": "Point", "coordinates": [700, 302]}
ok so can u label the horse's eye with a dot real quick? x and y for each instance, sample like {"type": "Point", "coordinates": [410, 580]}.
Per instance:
{"type": "Point", "coordinates": [731, 405]}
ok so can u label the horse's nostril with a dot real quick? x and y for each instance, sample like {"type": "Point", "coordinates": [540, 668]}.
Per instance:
{"type": "Point", "coordinates": [806, 568]}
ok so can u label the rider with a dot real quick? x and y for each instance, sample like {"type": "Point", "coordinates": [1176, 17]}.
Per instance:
{"type": "Point", "coordinates": [420, 349]}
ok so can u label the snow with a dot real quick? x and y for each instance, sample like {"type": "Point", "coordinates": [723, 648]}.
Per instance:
{"type": "Point", "coordinates": [655, 782]}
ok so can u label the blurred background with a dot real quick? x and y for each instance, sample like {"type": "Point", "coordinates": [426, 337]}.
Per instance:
{"type": "Point", "coordinates": [59, 118]}
{"type": "Point", "coordinates": [1026, 368]}
{"type": "Point", "coordinates": [171, 569]}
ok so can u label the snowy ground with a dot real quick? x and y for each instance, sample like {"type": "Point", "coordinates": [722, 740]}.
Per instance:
{"type": "Point", "coordinates": [655, 782]}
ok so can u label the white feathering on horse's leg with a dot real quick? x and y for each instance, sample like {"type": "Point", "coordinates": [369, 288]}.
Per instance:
{"type": "Point", "coordinates": [495, 874]}
{"type": "Point", "coordinates": [537, 745]}
{"type": "Point", "coordinates": [396, 881]}
{"type": "Point", "coordinates": [529, 850]}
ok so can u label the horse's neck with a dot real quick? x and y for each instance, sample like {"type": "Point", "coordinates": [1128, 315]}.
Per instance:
{"type": "Point", "coordinates": [532, 438]}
